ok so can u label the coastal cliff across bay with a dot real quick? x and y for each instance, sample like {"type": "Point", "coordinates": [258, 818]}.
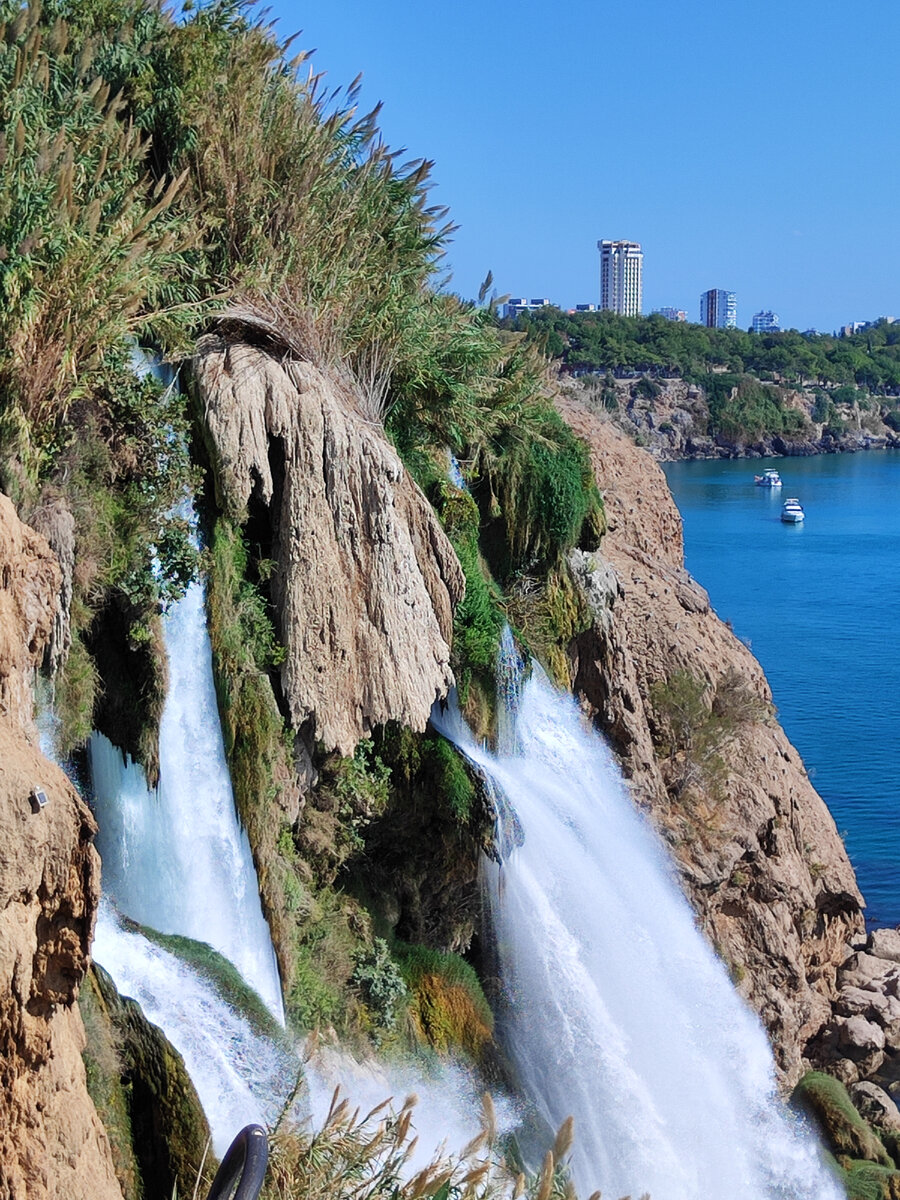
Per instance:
{"type": "Point", "coordinates": [738, 416]}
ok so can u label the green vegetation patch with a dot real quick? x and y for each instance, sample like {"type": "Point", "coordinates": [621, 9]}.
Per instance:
{"type": "Point", "coordinates": [548, 612]}
{"type": "Point", "coordinates": [381, 983]}
{"type": "Point", "coordinates": [315, 929]}
{"type": "Point", "coordinates": [542, 490]}
{"type": "Point", "coordinates": [478, 620]}
{"type": "Point", "coordinates": [448, 1004]}
{"type": "Point", "coordinates": [742, 409]}
{"type": "Point", "coordinates": [598, 342]}
{"type": "Point", "coordinates": [845, 1132]}
{"type": "Point", "coordinates": [693, 719]}
{"type": "Point", "coordinates": [224, 977]}
{"type": "Point", "coordinates": [868, 1181]}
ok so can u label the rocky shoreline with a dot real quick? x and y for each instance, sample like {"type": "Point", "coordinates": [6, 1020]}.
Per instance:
{"type": "Point", "coordinates": [670, 418]}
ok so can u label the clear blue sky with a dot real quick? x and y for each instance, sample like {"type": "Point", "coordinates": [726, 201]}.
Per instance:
{"type": "Point", "coordinates": [752, 147]}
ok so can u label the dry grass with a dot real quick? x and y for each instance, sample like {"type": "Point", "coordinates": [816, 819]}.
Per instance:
{"type": "Point", "coordinates": [361, 1157]}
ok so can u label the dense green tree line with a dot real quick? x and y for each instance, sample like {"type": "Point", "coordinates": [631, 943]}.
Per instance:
{"type": "Point", "coordinates": [603, 341]}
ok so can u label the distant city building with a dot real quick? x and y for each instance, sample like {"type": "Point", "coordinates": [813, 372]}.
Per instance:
{"type": "Point", "coordinates": [621, 277]}
{"type": "Point", "coordinates": [766, 322]}
{"type": "Point", "coordinates": [513, 307]}
{"type": "Point", "coordinates": [718, 309]}
{"type": "Point", "coordinates": [585, 307]}
{"type": "Point", "coordinates": [671, 314]}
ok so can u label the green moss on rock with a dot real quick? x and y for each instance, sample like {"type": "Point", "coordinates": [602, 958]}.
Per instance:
{"type": "Point", "coordinates": [448, 1005]}
{"type": "Point", "coordinates": [153, 1099]}
{"type": "Point", "coordinates": [105, 1072]}
{"type": "Point", "coordinates": [224, 977]}
{"type": "Point", "coordinates": [844, 1131]}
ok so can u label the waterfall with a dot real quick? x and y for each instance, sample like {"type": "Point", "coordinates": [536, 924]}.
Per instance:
{"type": "Point", "coordinates": [175, 858]}
{"type": "Point", "coordinates": [615, 1010]}
{"type": "Point", "coordinates": [240, 1075]}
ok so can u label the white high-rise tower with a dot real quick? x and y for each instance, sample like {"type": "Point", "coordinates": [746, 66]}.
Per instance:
{"type": "Point", "coordinates": [621, 277]}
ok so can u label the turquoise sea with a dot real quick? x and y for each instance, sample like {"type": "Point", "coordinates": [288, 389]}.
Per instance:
{"type": "Point", "coordinates": [818, 605]}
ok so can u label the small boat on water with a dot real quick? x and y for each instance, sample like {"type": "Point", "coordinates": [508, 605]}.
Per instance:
{"type": "Point", "coordinates": [792, 511]}
{"type": "Point", "coordinates": [767, 479]}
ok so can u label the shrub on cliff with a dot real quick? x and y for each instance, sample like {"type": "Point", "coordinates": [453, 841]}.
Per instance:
{"type": "Point", "coordinates": [448, 1004]}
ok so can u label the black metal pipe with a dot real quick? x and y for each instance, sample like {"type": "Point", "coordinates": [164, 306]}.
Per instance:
{"type": "Point", "coordinates": [244, 1165]}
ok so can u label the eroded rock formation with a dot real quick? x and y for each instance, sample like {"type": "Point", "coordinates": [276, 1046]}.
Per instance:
{"type": "Point", "coordinates": [52, 1144]}
{"type": "Point", "coordinates": [365, 580]}
{"type": "Point", "coordinates": [758, 851]}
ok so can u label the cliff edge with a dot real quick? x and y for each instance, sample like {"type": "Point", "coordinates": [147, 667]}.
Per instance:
{"type": "Point", "coordinates": [52, 1143]}
{"type": "Point", "coordinates": [688, 711]}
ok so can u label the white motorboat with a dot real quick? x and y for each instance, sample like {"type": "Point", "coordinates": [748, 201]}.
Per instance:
{"type": "Point", "coordinates": [792, 511]}
{"type": "Point", "coordinates": [767, 479]}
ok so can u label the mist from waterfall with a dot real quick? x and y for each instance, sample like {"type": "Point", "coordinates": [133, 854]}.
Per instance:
{"type": "Point", "coordinates": [614, 1010]}
{"type": "Point", "coordinates": [175, 857]}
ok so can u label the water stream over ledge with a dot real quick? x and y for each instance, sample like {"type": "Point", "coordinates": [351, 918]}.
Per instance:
{"type": "Point", "coordinates": [615, 1010]}
{"type": "Point", "coordinates": [175, 858]}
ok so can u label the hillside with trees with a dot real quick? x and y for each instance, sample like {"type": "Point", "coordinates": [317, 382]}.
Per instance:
{"type": "Point", "coordinates": [720, 391]}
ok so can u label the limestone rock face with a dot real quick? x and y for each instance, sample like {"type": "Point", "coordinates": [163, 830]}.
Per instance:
{"type": "Point", "coordinates": [51, 1141]}
{"type": "Point", "coordinates": [862, 1041]}
{"type": "Point", "coordinates": [29, 586]}
{"type": "Point", "coordinates": [365, 581]}
{"type": "Point", "coordinates": [760, 857]}
{"type": "Point", "coordinates": [54, 520]}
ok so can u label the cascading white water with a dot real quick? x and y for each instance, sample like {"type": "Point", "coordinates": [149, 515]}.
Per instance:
{"type": "Point", "coordinates": [240, 1075]}
{"type": "Point", "coordinates": [615, 1010]}
{"type": "Point", "coordinates": [176, 858]}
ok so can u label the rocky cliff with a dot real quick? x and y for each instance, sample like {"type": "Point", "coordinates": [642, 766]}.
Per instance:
{"type": "Point", "coordinates": [671, 418]}
{"type": "Point", "coordinates": [51, 1141]}
{"type": "Point", "coordinates": [688, 710]}
{"type": "Point", "coordinates": [364, 579]}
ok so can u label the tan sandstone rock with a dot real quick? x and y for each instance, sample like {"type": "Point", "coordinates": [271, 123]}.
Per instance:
{"type": "Point", "coordinates": [366, 581]}
{"type": "Point", "coordinates": [761, 859]}
{"type": "Point", "coordinates": [52, 1144]}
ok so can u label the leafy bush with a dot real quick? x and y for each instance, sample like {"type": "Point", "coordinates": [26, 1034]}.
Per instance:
{"type": "Point", "coordinates": [648, 388]}
{"type": "Point", "coordinates": [379, 979]}
{"type": "Point", "coordinates": [845, 395]}
{"type": "Point", "coordinates": [821, 408]}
